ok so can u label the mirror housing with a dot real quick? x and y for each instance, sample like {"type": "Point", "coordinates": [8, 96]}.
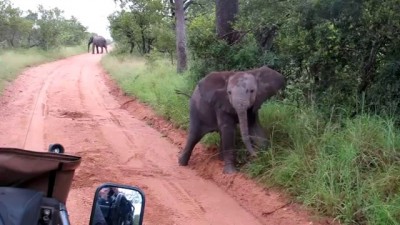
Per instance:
{"type": "Point", "coordinates": [117, 204]}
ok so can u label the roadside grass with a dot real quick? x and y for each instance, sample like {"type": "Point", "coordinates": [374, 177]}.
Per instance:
{"type": "Point", "coordinates": [13, 61]}
{"type": "Point", "coordinates": [153, 84]}
{"type": "Point", "coordinates": [349, 171]}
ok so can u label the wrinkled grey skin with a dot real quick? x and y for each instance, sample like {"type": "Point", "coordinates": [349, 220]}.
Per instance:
{"type": "Point", "coordinates": [98, 41]}
{"type": "Point", "coordinates": [221, 100]}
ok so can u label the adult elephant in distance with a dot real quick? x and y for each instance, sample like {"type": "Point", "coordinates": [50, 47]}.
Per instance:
{"type": "Point", "coordinates": [97, 41]}
{"type": "Point", "coordinates": [221, 100]}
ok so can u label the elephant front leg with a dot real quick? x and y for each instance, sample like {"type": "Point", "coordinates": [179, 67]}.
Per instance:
{"type": "Point", "coordinates": [227, 133]}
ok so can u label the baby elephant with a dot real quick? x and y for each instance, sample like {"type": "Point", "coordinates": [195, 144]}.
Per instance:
{"type": "Point", "coordinates": [221, 100]}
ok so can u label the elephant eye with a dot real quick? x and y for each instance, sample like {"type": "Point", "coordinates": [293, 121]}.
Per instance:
{"type": "Point", "coordinates": [251, 91]}
{"type": "Point", "coordinates": [229, 92]}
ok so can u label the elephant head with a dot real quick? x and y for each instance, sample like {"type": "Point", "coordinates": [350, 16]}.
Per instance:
{"type": "Point", "coordinates": [239, 92]}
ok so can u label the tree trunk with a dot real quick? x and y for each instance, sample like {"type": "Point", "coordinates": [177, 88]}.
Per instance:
{"type": "Point", "coordinates": [143, 40]}
{"type": "Point", "coordinates": [226, 11]}
{"type": "Point", "coordinates": [132, 47]}
{"type": "Point", "coordinates": [369, 68]}
{"type": "Point", "coordinates": [180, 37]}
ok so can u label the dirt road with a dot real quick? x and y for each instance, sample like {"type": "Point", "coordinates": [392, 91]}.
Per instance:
{"type": "Point", "coordinates": [73, 102]}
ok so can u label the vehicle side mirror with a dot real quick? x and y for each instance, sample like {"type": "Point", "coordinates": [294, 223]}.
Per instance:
{"type": "Point", "coordinates": [117, 204]}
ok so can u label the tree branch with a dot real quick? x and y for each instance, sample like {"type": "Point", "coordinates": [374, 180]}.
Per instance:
{"type": "Point", "coordinates": [187, 3]}
{"type": "Point", "coordinates": [179, 92]}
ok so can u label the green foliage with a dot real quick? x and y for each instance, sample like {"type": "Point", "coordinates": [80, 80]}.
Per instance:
{"type": "Point", "coordinates": [12, 62]}
{"type": "Point", "coordinates": [338, 55]}
{"type": "Point", "coordinates": [73, 32]}
{"type": "Point", "coordinates": [46, 28]}
{"type": "Point", "coordinates": [212, 54]}
{"type": "Point", "coordinates": [165, 39]}
{"type": "Point", "coordinates": [12, 25]}
{"type": "Point", "coordinates": [137, 25]}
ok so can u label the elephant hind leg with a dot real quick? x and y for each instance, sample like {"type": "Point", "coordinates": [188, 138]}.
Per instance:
{"type": "Point", "coordinates": [220, 155]}
{"type": "Point", "coordinates": [196, 133]}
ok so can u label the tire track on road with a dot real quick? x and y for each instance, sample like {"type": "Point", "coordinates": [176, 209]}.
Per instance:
{"type": "Point", "coordinates": [34, 137]}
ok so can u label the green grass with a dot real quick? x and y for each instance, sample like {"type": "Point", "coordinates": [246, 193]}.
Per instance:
{"type": "Point", "coordinates": [13, 61]}
{"type": "Point", "coordinates": [154, 84]}
{"type": "Point", "coordinates": [349, 171]}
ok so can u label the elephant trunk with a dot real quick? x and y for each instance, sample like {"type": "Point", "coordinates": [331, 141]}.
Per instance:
{"type": "Point", "coordinates": [90, 42]}
{"type": "Point", "coordinates": [244, 130]}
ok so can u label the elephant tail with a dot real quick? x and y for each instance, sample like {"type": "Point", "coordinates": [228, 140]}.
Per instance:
{"type": "Point", "coordinates": [179, 92]}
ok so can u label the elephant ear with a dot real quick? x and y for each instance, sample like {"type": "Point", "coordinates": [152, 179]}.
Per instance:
{"type": "Point", "coordinates": [212, 89]}
{"type": "Point", "coordinates": [269, 83]}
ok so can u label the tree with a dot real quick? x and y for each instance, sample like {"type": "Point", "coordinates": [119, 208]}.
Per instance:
{"type": "Point", "coordinates": [226, 11]}
{"type": "Point", "coordinates": [124, 29]}
{"type": "Point", "coordinates": [144, 14]}
{"type": "Point", "coordinates": [180, 37]}
{"type": "Point", "coordinates": [145, 20]}
{"type": "Point", "coordinates": [46, 28]}
{"type": "Point", "coordinates": [13, 27]}
{"type": "Point", "coordinates": [72, 32]}
{"type": "Point", "coordinates": [165, 39]}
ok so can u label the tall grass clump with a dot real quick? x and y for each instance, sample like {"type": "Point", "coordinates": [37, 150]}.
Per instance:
{"type": "Point", "coordinates": [12, 62]}
{"type": "Point", "coordinates": [349, 171]}
{"type": "Point", "coordinates": [346, 168]}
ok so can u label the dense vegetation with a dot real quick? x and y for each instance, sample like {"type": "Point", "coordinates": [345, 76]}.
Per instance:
{"type": "Point", "coordinates": [44, 28]}
{"type": "Point", "coordinates": [33, 37]}
{"type": "Point", "coordinates": [335, 137]}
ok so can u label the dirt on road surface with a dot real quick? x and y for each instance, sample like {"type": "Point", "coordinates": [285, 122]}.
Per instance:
{"type": "Point", "coordinates": [73, 102]}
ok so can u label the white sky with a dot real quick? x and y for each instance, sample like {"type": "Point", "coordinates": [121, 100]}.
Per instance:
{"type": "Point", "coordinates": [90, 13]}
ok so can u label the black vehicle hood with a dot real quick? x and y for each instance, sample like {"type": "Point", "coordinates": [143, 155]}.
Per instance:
{"type": "Point", "coordinates": [50, 173]}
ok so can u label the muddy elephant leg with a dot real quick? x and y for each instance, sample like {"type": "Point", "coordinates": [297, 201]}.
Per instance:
{"type": "Point", "coordinates": [227, 128]}
{"type": "Point", "coordinates": [220, 155]}
{"type": "Point", "coordinates": [257, 133]}
{"type": "Point", "coordinates": [227, 133]}
{"type": "Point", "coordinates": [195, 135]}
